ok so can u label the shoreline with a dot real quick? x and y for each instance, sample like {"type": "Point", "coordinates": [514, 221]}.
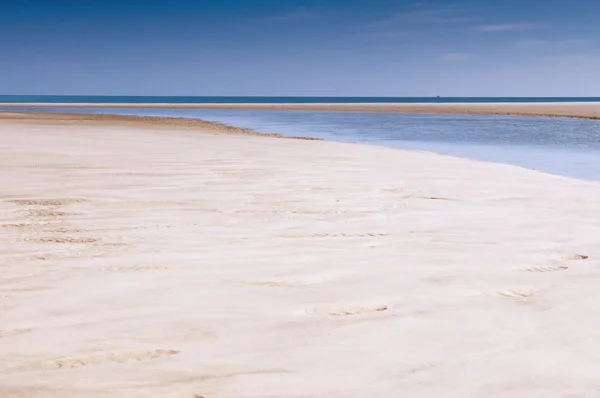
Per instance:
{"type": "Point", "coordinates": [203, 126]}
{"type": "Point", "coordinates": [140, 120]}
{"type": "Point", "coordinates": [271, 264]}
{"type": "Point", "coordinates": [585, 110]}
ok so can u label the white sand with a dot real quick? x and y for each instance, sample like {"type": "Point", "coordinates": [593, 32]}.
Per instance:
{"type": "Point", "coordinates": [146, 262]}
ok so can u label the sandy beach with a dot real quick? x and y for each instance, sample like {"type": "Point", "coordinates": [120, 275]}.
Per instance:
{"type": "Point", "coordinates": [585, 110]}
{"type": "Point", "coordinates": [142, 258]}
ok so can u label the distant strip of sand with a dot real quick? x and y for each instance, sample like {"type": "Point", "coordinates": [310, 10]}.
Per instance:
{"type": "Point", "coordinates": [149, 259]}
{"type": "Point", "coordinates": [154, 122]}
{"type": "Point", "coordinates": [587, 110]}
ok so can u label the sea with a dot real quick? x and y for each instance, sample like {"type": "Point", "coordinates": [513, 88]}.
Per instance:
{"type": "Point", "coordinates": [115, 99]}
{"type": "Point", "coordinates": [564, 146]}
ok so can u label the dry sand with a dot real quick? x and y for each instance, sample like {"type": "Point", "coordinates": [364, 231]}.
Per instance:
{"type": "Point", "coordinates": [185, 262]}
{"type": "Point", "coordinates": [586, 110]}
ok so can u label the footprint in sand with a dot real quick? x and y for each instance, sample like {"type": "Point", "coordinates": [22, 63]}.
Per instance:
{"type": "Point", "coordinates": [65, 239]}
{"type": "Point", "coordinates": [47, 202]}
{"type": "Point", "coordinates": [517, 293]}
{"type": "Point", "coordinates": [25, 289]}
{"type": "Point", "coordinates": [45, 214]}
{"type": "Point", "coordinates": [577, 257]}
{"type": "Point", "coordinates": [341, 235]}
{"type": "Point", "coordinates": [97, 359]}
{"type": "Point", "coordinates": [13, 332]}
{"type": "Point", "coordinates": [555, 267]}
{"type": "Point", "coordinates": [56, 166]}
{"type": "Point", "coordinates": [350, 235]}
{"type": "Point", "coordinates": [344, 311]}
{"type": "Point", "coordinates": [134, 268]}
{"type": "Point", "coordinates": [296, 281]}
{"type": "Point", "coordinates": [546, 268]}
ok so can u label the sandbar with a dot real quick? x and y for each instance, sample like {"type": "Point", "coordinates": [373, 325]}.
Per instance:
{"type": "Point", "coordinates": [586, 110]}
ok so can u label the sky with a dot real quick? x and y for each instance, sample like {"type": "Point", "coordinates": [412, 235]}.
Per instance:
{"type": "Point", "coordinates": [300, 47]}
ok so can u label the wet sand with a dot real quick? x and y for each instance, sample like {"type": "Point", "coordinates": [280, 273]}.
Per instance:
{"type": "Point", "coordinates": [142, 258]}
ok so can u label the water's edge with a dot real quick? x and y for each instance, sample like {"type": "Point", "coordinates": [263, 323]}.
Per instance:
{"type": "Point", "coordinates": [168, 121]}
{"type": "Point", "coordinates": [218, 126]}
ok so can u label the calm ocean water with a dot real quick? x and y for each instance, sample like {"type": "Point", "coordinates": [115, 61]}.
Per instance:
{"type": "Point", "coordinates": [569, 147]}
{"type": "Point", "coordinates": [281, 100]}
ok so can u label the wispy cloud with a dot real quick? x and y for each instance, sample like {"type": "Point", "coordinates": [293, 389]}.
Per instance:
{"type": "Point", "coordinates": [384, 34]}
{"type": "Point", "coordinates": [298, 14]}
{"type": "Point", "coordinates": [509, 27]}
{"type": "Point", "coordinates": [455, 56]}
{"type": "Point", "coordinates": [581, 57]}
{"type": "Point", "coordinates": [417, 17]}
{"type": "Point", "coordinates": [535, 44]}
{"type": "Point", "coordinates": [429, 15]}
{"type": "Point", "coordinates": [574, 61]}
{"type": "Point", "coordinates": [532, 43]}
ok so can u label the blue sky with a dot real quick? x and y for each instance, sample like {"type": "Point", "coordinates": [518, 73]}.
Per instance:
{"type": "Point", "coordinates": [294, 47]}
